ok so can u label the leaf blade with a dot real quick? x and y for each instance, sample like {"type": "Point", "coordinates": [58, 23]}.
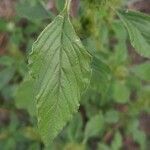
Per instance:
{"type": "Point", "coordinates": [142, 71]}
{"type": "Point", "coordinates": [24, 95]}
{"type": "Point", "coordinates": [137, 25]}
{"type": "Point", "coordinates": [61, 67]}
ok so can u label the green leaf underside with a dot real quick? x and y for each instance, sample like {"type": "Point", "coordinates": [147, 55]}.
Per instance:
{"type": "Point", "coordinates": [61, 68]}
{"type": "Point", "coordinates": [138, 26]}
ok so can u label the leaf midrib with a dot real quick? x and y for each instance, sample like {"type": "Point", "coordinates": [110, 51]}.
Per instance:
{"type": "Point", "coordinates": [60, 63]}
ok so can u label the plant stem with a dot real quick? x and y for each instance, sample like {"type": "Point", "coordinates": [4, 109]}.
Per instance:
{"type": "Point", "coordinates": [67, 5]}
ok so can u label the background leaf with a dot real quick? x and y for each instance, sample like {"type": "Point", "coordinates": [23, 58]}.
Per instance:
{"type": "Point", "coordinates": [94, 126]}
{"type": "Point", "coordinates": [138, 25]}
{"type": "Point", "coordinates": [117, 141]}
{"type": "Point", "coordinates": [121, 92]}
{"type": "Point", "coordinates": [111, 116]}
{"type": "Point", "coordinates": [101, 76]}
{"type": "Point", "coordinates": [33, 12]}
{"type": "Point", "coordinates": [142, 71]}
{"type": "Point", "coordinates": [25, 96]}
{"type": "Point", "coordinates": [5, 76]}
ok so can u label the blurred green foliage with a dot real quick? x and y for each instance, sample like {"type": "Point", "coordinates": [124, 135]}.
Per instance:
{"type": "Point", "coordinates": [110, 109]}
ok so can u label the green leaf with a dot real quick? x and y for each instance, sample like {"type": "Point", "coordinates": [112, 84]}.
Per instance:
{"type": "Point", "coordinates": [61, 68]}
{"type": "Point", "coordinates": [120, 53]}
{"type": "Point", "coordinates": [74, 131]}
{"type": "Point", "coordinates": [101, 76]}
{"type": "Point", "coordinates": [74, 146]}
{"type": "Point", "coordinates": [138, 135]}
{"type": "Point", "coordinates": [103, 146]}
{"type": "Point", "coordinates": [8, 91]}
{"type": "Point", "coordinates": [117, 141]}
{"type": "Point", "coordinates": [111, 116]}
{"type": "Point", "coordinates": [5, 76]}
{"type": "Point", "coordinates": [60, 4]}
{"type": "Point", "coordinates": [24, 96]}
{"type": "Point", "coordinates": [33, 12]}
{"type": "Point", "coordinates": [138, 25]}
{"type": "Point", "coordinates": [144, 102]}
{"type": "Point", "coordinates": [142, 71]}
{"type": "Point", "coordinates": [7, 61]}
{"type": "Point", "coordinates": [94, 126]}
{"type": "Point", "coordinates": [121, 92]}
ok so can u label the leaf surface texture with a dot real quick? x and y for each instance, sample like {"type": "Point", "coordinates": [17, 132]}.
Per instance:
{"type": "Point", "coordinates": [138, 26]}
{"type": "Point", "coordinates": [61, 68]}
